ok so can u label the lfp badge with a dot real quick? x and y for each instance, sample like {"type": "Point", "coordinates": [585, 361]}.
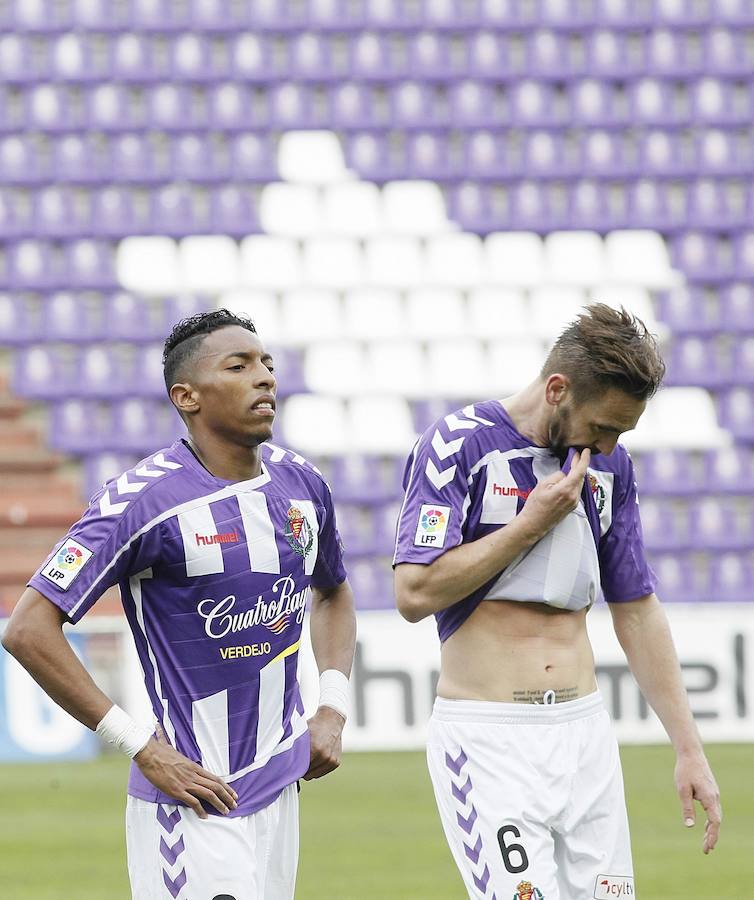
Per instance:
{"type": "Point", "coordinates": [432, 526]}
{"type": "Point", "coordinates": [299, 532]}
{"type": "Point", "coordinates": [65, 566]}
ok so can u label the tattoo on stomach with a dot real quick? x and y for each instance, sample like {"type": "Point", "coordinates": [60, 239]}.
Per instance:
{"type": "Point", "coordinates": [545, 695]}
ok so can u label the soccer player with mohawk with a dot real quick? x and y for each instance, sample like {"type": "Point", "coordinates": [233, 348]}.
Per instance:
{"type": "Point", "coordinates": [216, 543]}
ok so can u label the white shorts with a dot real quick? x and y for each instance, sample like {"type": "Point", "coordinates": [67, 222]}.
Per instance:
{"type": "Point", "coordinates": [175, 855]}
{"type": "Point", "coordinates": [531, 799]}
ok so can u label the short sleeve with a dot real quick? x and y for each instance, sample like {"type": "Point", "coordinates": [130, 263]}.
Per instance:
{"type": "Point", "coordinates": [100, 550]}
{"type": "Point", "coordinates": [625, 572]}
{"type": "Point", "coordinates": [329, 570]}
{"type": "Point", "coordinates": [431, 518]}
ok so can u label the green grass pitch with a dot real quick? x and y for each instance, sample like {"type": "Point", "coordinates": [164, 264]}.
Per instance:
{"type": "Point", "coordinates": [368, 832]}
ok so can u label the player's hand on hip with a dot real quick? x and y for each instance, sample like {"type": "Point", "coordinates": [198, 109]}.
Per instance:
{"type": "Point", "coordinates": [180, 777]}
{"type": "Point", "coordinates": [325, 729]}
{"type": "Point", "coordinates": [694, 781]}
{"type": "Point", "coordinates": [556, 496]}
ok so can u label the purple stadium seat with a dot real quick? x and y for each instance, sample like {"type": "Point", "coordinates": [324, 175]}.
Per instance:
{"type": "Point", "coordinates": [158, 15]}
{"type": "Point", "coordinates": [100, 371]}
{"type": "Point", "coordinates": [233, 211]}
{"type": "Point", "coordinates": [734, 12]}
{"type": "Point", "coordinates": [595, 101]}
{"type": "Point", "coordinates": [680, 579]}
{"type": "Point", "coordinates": [670, 53]}
{"type": "Point", "coordinates": [16, 220]}
{"type": "Point", "coordinates": [663, 472]}
{"type": "Point", "coordinates": [207, 16]}
{"type": "Point", "coordinates": [94, 15]}
{"type": "Point", "coordinates": [692, 310]}
{"type": "Point", "coordinates": [192, 59]}
{"type": "Point", "coordinates": [736, 412]}
{"type": "Point", "coordinates": [471, 103]}
{"type": "Point", "coordinates": [742, 370]}
{"type": "Point", "coordinates": [21, 161]}
{"type": "Point", "coordinates": [478, 208]}
{"type": "Point", "coordinates": [429, 52]}
{"type": "Point", "coordinates": [487, 156]}
{"type": "Point", "coordinates": [715, 203]}
{"type": "Point", "coordinates": [698, 361]}
{"type": "Point", "coordinates": [370, 57]}
{"type": "Point", "coordinates": [41, 373]}
{"type": "Point", "coordinates": [651, 101]}
{"type": "Point", "coordinates": [252, 158]}
{"type": "Point", "coordinates": [117, 212]}
{"type": "Point", "coordinates": [147, 377]}
{"type": "Point", "coordinates": [719, 523]}
{"type": "Point", "coordinates": [229, 107]}
{"type": "Point", "coordinates": [71, 58]}
{"type": "Point", "coordinates": [533, 103]}
{"type": "Point", "coordinates": [536, 206]}
{"type": "Point", "coordinates": [171, 108]}
{"type": "Point", "coordinates": [744, 254]}
{"type": "Point", "coordinates": [487, 55]}
{"type": "Point", "coordinates": [32, 265]}
{"type": "Point", "coordinates": [428, 156]}
{"type": "Point", "coordinates": [681, 13]}
{"type": "Point", "coordinates": [414, 104]}
{"type": "Point", "coordinates": [69, 318]}
{"type": "Point", "coordinates": [716, 101]}
{"type": "Point", "coordinates": [16, 60]}
{"type": "Point", "coordinates": [80, 159]}
{"type": "Point", "coordinates": [58, 211]}
{"type": "Point", "coordinates": [366, 479]}
{"type": "Point", "coordinates": [16, 321]}
{"type": "Point", "coordinates": [547, 51]}
{"type": "Point", "coordinates": [80, 426]}
{"type": "Point", "coordinates": [589, 202]}
{"type": "Point", "coordinates": [130, 318]}
{"type": "Point", "coordinates": [141, 424]}
{"type": "Point", "coordinates": [722, 153]}
{"type": "Point", "coordinates": [132, 59]}
{"type": "Point", "coordinates": [665, 152]}
{"type": "Point", "coordinates": [310, 57]}
{"type": "Point", "coordinates": [290, 371]}
{"type": "Point", "coordinates": [113, 107]}
{"type": "Point", "coordinates": [724, 52]}
{"type": "Point", "coordinates": [731, 578]}
{"type": "Point", "coordinates": [612, 54]}
{"type": "Point", "coordinates": [698, 255]}
{"type": "Point", "coordinates": [48, 109]}
{"type": "Point", "coordinates": [664, 524]}
{"type": "Point", "coordinates": [338, 15]}
{"type": "Point", "coordinates": [356, 522]}
{"type": "Point", "coordinates": [100, 468]}
{"type": "Point", "coordinates": [276, 15]}
{"type": "Point", "coordinates": [90, 264]}
{"type": "Point", "coordinates": [199, 157]}
{"type": "Point", "coordinates": [292, 105]}
{"type": "Point", "coordinates": [251, 58]}
{"type": "Point", "coordinates": [371, 580]}
{"type": "Point", "coordinates": [737, 301]}
{"type": "Point", "coordinates": [655, 204]}
{"type": "Point", "coordinates": [547, 154]}
{"type": "Point", "coordinates": [603, 153]}
{"type": "Point", "coordinates": [498, 14]}
{"type": "Point", "coordinates": [40, 16]}
{"type": "Point", "coordinates": [179, 209]}
{"type": "Point", "coordinates": [139, 158]}
{"type": "Point", "coordinates": [730, 470]}
{"type": "Point", "coordinates": [352, 105]}
{"type": "Point", "coordinates": [373, 156]}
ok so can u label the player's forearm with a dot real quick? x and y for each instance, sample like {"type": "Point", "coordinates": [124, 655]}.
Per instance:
{"type": "Point", "coordinates": [422, 590]}
{"type": "Point", "coordinates": [333, 628]}
{"type": "Point", "coordinates": [643, 631]}
{"type": "Point", "coordinates": [34, 636]}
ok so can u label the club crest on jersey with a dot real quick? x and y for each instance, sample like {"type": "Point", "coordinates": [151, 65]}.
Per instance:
{"type": "Point", "coordinates": [598, 492]}
{"type": "Point", "coordinates": [526, 891]}
{"type": "Point", "coordinates": [298, 532]}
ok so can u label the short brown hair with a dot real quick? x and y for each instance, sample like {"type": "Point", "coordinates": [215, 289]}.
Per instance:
{"type": "Point", "coordinates": [607, 348]}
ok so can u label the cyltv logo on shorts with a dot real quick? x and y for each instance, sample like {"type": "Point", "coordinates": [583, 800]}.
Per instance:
{"type": "Point", "coordinates": [608, 887]}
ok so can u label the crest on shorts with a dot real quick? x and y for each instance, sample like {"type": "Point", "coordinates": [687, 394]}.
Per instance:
{"type": "Point", "coordinates": [526, 891]}
{"type": "Point", "coordinates": [598, 492]}
{"type": "Point", "coordinates": [298, 532]}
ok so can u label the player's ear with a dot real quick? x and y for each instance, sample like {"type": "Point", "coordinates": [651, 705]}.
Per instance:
{"type": "Point", "coordinates": [556, 388]}
{"type": "Point", "coordinates": [185, 398]}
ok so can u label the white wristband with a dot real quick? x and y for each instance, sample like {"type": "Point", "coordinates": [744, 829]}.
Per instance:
{"type": "Point", "coordinates": [119, 729]}
{"type": "Point", "coordinates": [333, 691]}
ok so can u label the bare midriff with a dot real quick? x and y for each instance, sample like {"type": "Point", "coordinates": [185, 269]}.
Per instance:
{"type": "Point", "coordinates": [515, 652]}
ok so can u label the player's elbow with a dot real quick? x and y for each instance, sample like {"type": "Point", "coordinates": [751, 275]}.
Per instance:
{"type": "Point", "coordinates": [409, 598]}
{"type": "Point", "coordinates": [16, 638]}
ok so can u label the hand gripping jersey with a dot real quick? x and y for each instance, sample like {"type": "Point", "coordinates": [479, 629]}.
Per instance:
{"type": "Point", "coordinates": [214, 577]}
{"type": "Point", "coordinates": [470, 474]}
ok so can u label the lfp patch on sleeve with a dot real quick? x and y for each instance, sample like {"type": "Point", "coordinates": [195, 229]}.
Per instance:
{"type": "Point", "coordinates": [432, 526]}
{"type": "Point", "coordinates": [66, 564]}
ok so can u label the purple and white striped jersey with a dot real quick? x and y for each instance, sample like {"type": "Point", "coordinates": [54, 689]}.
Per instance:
{"type": "Point", "coordinates": [214, 577]}
{"type": "Point", "coordinates": [470, 474]}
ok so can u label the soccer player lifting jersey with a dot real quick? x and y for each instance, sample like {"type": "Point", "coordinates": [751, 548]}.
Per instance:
{"type": "Point", "coordinates": [516, 513]}
{"type": "Point", "coordinates": [215, 543]}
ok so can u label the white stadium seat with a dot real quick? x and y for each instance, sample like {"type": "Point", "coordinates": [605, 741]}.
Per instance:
{"type": "Point", "coordinates": [209, 263]}
{"type": "Point", "coordinates": [335, 262]}
{"type": "Point", "coordinates": [262, 307]}
{"type": "Point", "coordinates": [513, 365]}
{"type": "Point", "coordinates": [310, 314]}
{"type": "Point", "coordinates": [395, 262]}
{"type": "Point", "coordinates": [315, 424]}
{"type": "Point", "coordinates": [352, 209]}
{"type": "Point", "coordinates": [149, 265]}
{"type": "Point", "coordinates": [397, 367]}
{"type": "Point", "coordinates": [455, 260]}
{"type": "Point", "coordinates": [496, 312]}
{"type": "Point", "coordinates": [458, 369]}
{"type": "Point", "coordinates": [373, 313]}
{"type": "Point", "coordinates": [311, 157]}
{"type": "Point", "coordinates": [434, 312]}
{"type": "Point", "coordinates": [639, 258]}
{"type": "Point", "coordinates": [291, 210]}
{"type": "Point", "coordinates": [575, 258]}
{"type": "Point", "coordinates": [270, 262]}
{"type": "Point", "coordinates": [414, 208]}
{"type": "Point", "coordinates": [514, 258]}
{"type": "Point", "coordinates": [552, 308]}
{"type": "Point", "coordinates": [678, 417]}
{"type": "Point", "coordinates": [335, 367]}
{"type": "Point", "coordinates": [381, 425]}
